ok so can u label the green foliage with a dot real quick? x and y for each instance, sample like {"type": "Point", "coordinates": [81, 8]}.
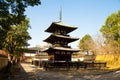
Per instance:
{"type": "Point", "coordinates": [111, 28]}
{"type": "Point", "coordinates": [2, 37]}
{"type": "Point", "coordinates": [16, 38]}
{"type": "Point", "coordinates": [14, 9]}
{"type": "Point", "coordinates": [111, 31]}
{"type": "Point", "coordinates": [14, 25]}
{"type": "Point", "coordinates": [87, 43]}
{"type": "Point", "coordinates": [12, 14]}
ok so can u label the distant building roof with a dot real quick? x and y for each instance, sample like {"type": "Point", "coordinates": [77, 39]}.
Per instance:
{"type": "Point", "coordinates": [33, 49]}
{"type": "Point", "coordinates": [1, 55]}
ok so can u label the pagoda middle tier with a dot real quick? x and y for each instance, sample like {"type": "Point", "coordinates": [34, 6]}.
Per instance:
{"type": "Point", "coordinates": [60, 39]}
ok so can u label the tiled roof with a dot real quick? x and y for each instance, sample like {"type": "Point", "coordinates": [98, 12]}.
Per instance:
{"type": "Point", "coordinates": [66, 49]}
{"type": "Point", "coordinates": [64, 24]}
{"type": "Point", "coordinates": [3, 56]}
{"type": "Point", "coordinates": [60, 25]}
{"type": "Point", "coordinates": [54, 37]}
{"type": "Point", "coordinates": [61, 49]}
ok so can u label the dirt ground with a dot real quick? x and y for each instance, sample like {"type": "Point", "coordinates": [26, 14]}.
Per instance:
{"type": "Point", "coordinates": [31, 72]}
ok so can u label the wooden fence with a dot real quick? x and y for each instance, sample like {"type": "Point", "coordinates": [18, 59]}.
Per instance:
{"type": "Point", "coordinates": [69, 65]}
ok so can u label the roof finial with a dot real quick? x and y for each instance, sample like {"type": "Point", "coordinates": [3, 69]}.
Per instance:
{"type": "Point", "coordinates": [60, 15]}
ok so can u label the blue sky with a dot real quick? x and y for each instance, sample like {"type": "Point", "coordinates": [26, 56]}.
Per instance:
{"type": "Point", "coordinates": [87, 15]}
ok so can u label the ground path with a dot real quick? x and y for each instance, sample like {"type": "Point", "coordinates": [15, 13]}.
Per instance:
{"type": "Point", "coordinates": [31, 72]}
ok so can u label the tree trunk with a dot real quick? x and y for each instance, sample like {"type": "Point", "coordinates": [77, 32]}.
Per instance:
{"type": "Point", "coordinates": [87, 52]}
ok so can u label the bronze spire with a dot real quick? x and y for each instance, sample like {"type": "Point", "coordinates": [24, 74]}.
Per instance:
{"type": "Point", "coordinates": [60, 15]}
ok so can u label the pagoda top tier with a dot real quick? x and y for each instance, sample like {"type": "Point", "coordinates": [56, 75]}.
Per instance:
{"type": "Point", "coordinates": [60, 27]}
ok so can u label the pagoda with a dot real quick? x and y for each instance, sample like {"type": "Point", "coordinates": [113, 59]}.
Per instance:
{"type": "Point", "coordinates": [59, 40]}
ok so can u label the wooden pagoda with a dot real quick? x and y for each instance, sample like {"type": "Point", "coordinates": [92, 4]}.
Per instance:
{"type": "Point", "coordinates": [59, 38]}
{"type": "Point", "coordinates": [60, 53]}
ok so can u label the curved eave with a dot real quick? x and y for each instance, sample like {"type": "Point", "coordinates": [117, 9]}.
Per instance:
{"type": "Point", "coordinates": [66, 49]}
{"type": "Point", "coordinates": [48, 50]}
{"type": "Point", "coordinates": [60, 25]}
{"type": "Point", "coordinates": [52, 49]}
{"type": "Point", "coordinates": [52, 38]}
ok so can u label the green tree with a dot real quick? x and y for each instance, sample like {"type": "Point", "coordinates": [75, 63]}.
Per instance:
{"type": "Point", "coordinates": [11, 14]}
{"type": "Point", "coordinates": [2, 37]}
{"type": "Point", "coordinates": [87, 43]}
{"type": "Point", "coordinates": [16, 39]}
{"type": "Point", "coordinates": [111, 30]}
{"type": "Point", "coordinates": [12, 11]}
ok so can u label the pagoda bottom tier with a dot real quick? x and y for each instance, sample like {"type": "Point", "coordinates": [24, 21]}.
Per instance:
{"type": "Point", "coordinates": [60, 57]}
{"type": "Point", "coordinates": [60, 53]}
